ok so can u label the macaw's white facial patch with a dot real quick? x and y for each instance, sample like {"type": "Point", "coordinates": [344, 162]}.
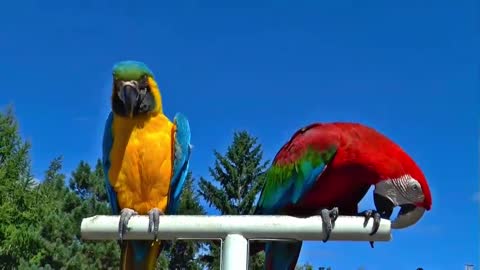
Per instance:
{"type": "Point", "coordinates": [402, 190]}
{"type": "Point", "coordinates": [405, 192]}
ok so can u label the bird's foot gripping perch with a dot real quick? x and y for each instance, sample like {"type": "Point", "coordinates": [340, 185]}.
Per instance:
{"type": "Point", "coordinates": [125, 216]}
{"type": "Point", "coordinates": [328, 218]}
{"type": "Point", "coordinates": [376, 221]}
{"type": "Point", "coordinates": [154, 221]}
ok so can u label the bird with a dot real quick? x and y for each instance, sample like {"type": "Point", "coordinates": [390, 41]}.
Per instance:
{"type": "Point", "coordinates": [145, 158]}
{"type": "Point", "coordinates": [326, 169]}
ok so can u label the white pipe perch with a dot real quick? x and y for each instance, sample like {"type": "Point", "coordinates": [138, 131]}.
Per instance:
{"type": "Point", "coordinates": [236, 231]}
{"type": "Point", "coordinates": [347, 228]}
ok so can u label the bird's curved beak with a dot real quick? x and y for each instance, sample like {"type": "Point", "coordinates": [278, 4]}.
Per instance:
{"type": "Point", "coordinates": [409, 213]}
{"type": "Point", "coordinates": [129, 95]}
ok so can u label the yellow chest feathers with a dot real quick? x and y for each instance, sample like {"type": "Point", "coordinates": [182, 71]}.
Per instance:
{"type": "Point", "coordinates": [141, 162]}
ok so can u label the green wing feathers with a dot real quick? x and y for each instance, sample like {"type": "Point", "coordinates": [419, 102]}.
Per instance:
{"type": "Point", "coordinates": [287, 183]}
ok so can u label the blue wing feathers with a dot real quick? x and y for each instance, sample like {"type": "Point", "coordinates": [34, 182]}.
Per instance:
{"type": "Point", "coordinates": [182, 151]}
{"type": "Point", "coordinates": [304, 184]}
{"type": "Point", "coordinates": [106, 148]}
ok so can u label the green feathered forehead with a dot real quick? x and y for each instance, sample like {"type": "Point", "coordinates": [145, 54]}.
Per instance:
{"type": "Point", "coordinates": [131, 70]}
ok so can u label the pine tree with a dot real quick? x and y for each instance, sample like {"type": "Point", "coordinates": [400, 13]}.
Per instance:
{"type": "Point", "coordinates": [236, 182]}
{"type": "Point", "coordinates": [19, 229]}
{"type": "Point", "coordinates": [88, 187]}
{"type": "Point", "coordinates": [56, 228]}
{"type": "Point", "coordinates": [14, 153]}
{"type": "Point", "coordinates": [59, 210]}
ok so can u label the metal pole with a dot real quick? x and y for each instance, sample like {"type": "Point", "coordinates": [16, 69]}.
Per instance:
{"type": "Point", "coordinates": [235, 253]}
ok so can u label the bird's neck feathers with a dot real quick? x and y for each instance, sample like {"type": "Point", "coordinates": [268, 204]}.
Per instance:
{"type": "Point", "coordinates": [403, 167]}
{"type": "Point", "coordinates": [393, 163]}
{"type": "Point", "coordinates": [413, 170]}
{"type": "Point", "coordinates": [156, 95]}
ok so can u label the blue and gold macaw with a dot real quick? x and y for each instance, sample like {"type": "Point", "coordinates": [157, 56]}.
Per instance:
{"type": "Point", "coordinates": [145, 158]}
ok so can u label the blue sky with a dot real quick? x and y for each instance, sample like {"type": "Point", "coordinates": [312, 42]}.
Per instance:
{"type": "Point", "coordinates": [407, 68]}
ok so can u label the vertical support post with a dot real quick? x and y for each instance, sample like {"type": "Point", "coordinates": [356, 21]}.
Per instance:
{"type": "Point", "coordinates": [235, 253]}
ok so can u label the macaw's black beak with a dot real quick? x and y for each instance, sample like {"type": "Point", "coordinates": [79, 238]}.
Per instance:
{"type": "Point", "coordinates": [409, 214]}
{"type": "Point", "coordinates": [384, 205]}
{"type": "Point", "coordinates": [129, 96]}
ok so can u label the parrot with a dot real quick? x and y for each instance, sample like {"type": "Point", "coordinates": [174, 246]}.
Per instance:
{"type": "Point", "coordinates": [325, 169]}
{"type": "Point", "coordinates": [145, 159]}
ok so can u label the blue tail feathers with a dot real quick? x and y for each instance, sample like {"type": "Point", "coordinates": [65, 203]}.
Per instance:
{"type": "Point", "coordinates": [282, 255]}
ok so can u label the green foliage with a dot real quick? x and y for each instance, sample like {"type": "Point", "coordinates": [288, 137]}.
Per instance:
{"type": "Point", "coordinates": [62, 209]}
{"type": "Point", "coordinates": [14, 154]}
{"type": "Point", "coordinates": [40, 221]}
{"type": "Point", "coordinates": [236, 181]}
{"type": "Point", "coordinates": [40, 226]}
{"type": "Point", "coordinates": [306, 266]}
{"type": "Point", "coordinates": [19, 231]}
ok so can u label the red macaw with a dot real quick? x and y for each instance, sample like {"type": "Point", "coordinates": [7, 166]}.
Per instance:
{"type": "Point", "coordinates": [326, 169]}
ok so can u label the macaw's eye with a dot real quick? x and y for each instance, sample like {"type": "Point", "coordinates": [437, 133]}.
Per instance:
{"type": "Point", "coordinates": [415, 187]}
{"type": "Point", "coordinates": [143, 85]}
{"type": "Point", "coordinates": [143, 91]}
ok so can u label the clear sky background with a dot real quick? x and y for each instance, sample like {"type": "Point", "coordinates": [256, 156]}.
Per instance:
{"type": "Point", "coordinates": [407, 68]}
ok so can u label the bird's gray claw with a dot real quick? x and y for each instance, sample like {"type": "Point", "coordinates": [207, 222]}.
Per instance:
{"type": "Point", "coordinates": [154, 221]}
{"type": "Point", "coordinates": [328, 218]}
{"type": "Point", "coordinates": [125, 216]}
{"type": "Point", "coordinates": [376, 221]}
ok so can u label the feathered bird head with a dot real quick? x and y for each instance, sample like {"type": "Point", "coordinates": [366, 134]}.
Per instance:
{"type": "Point", "coordinates": [135, 92]}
